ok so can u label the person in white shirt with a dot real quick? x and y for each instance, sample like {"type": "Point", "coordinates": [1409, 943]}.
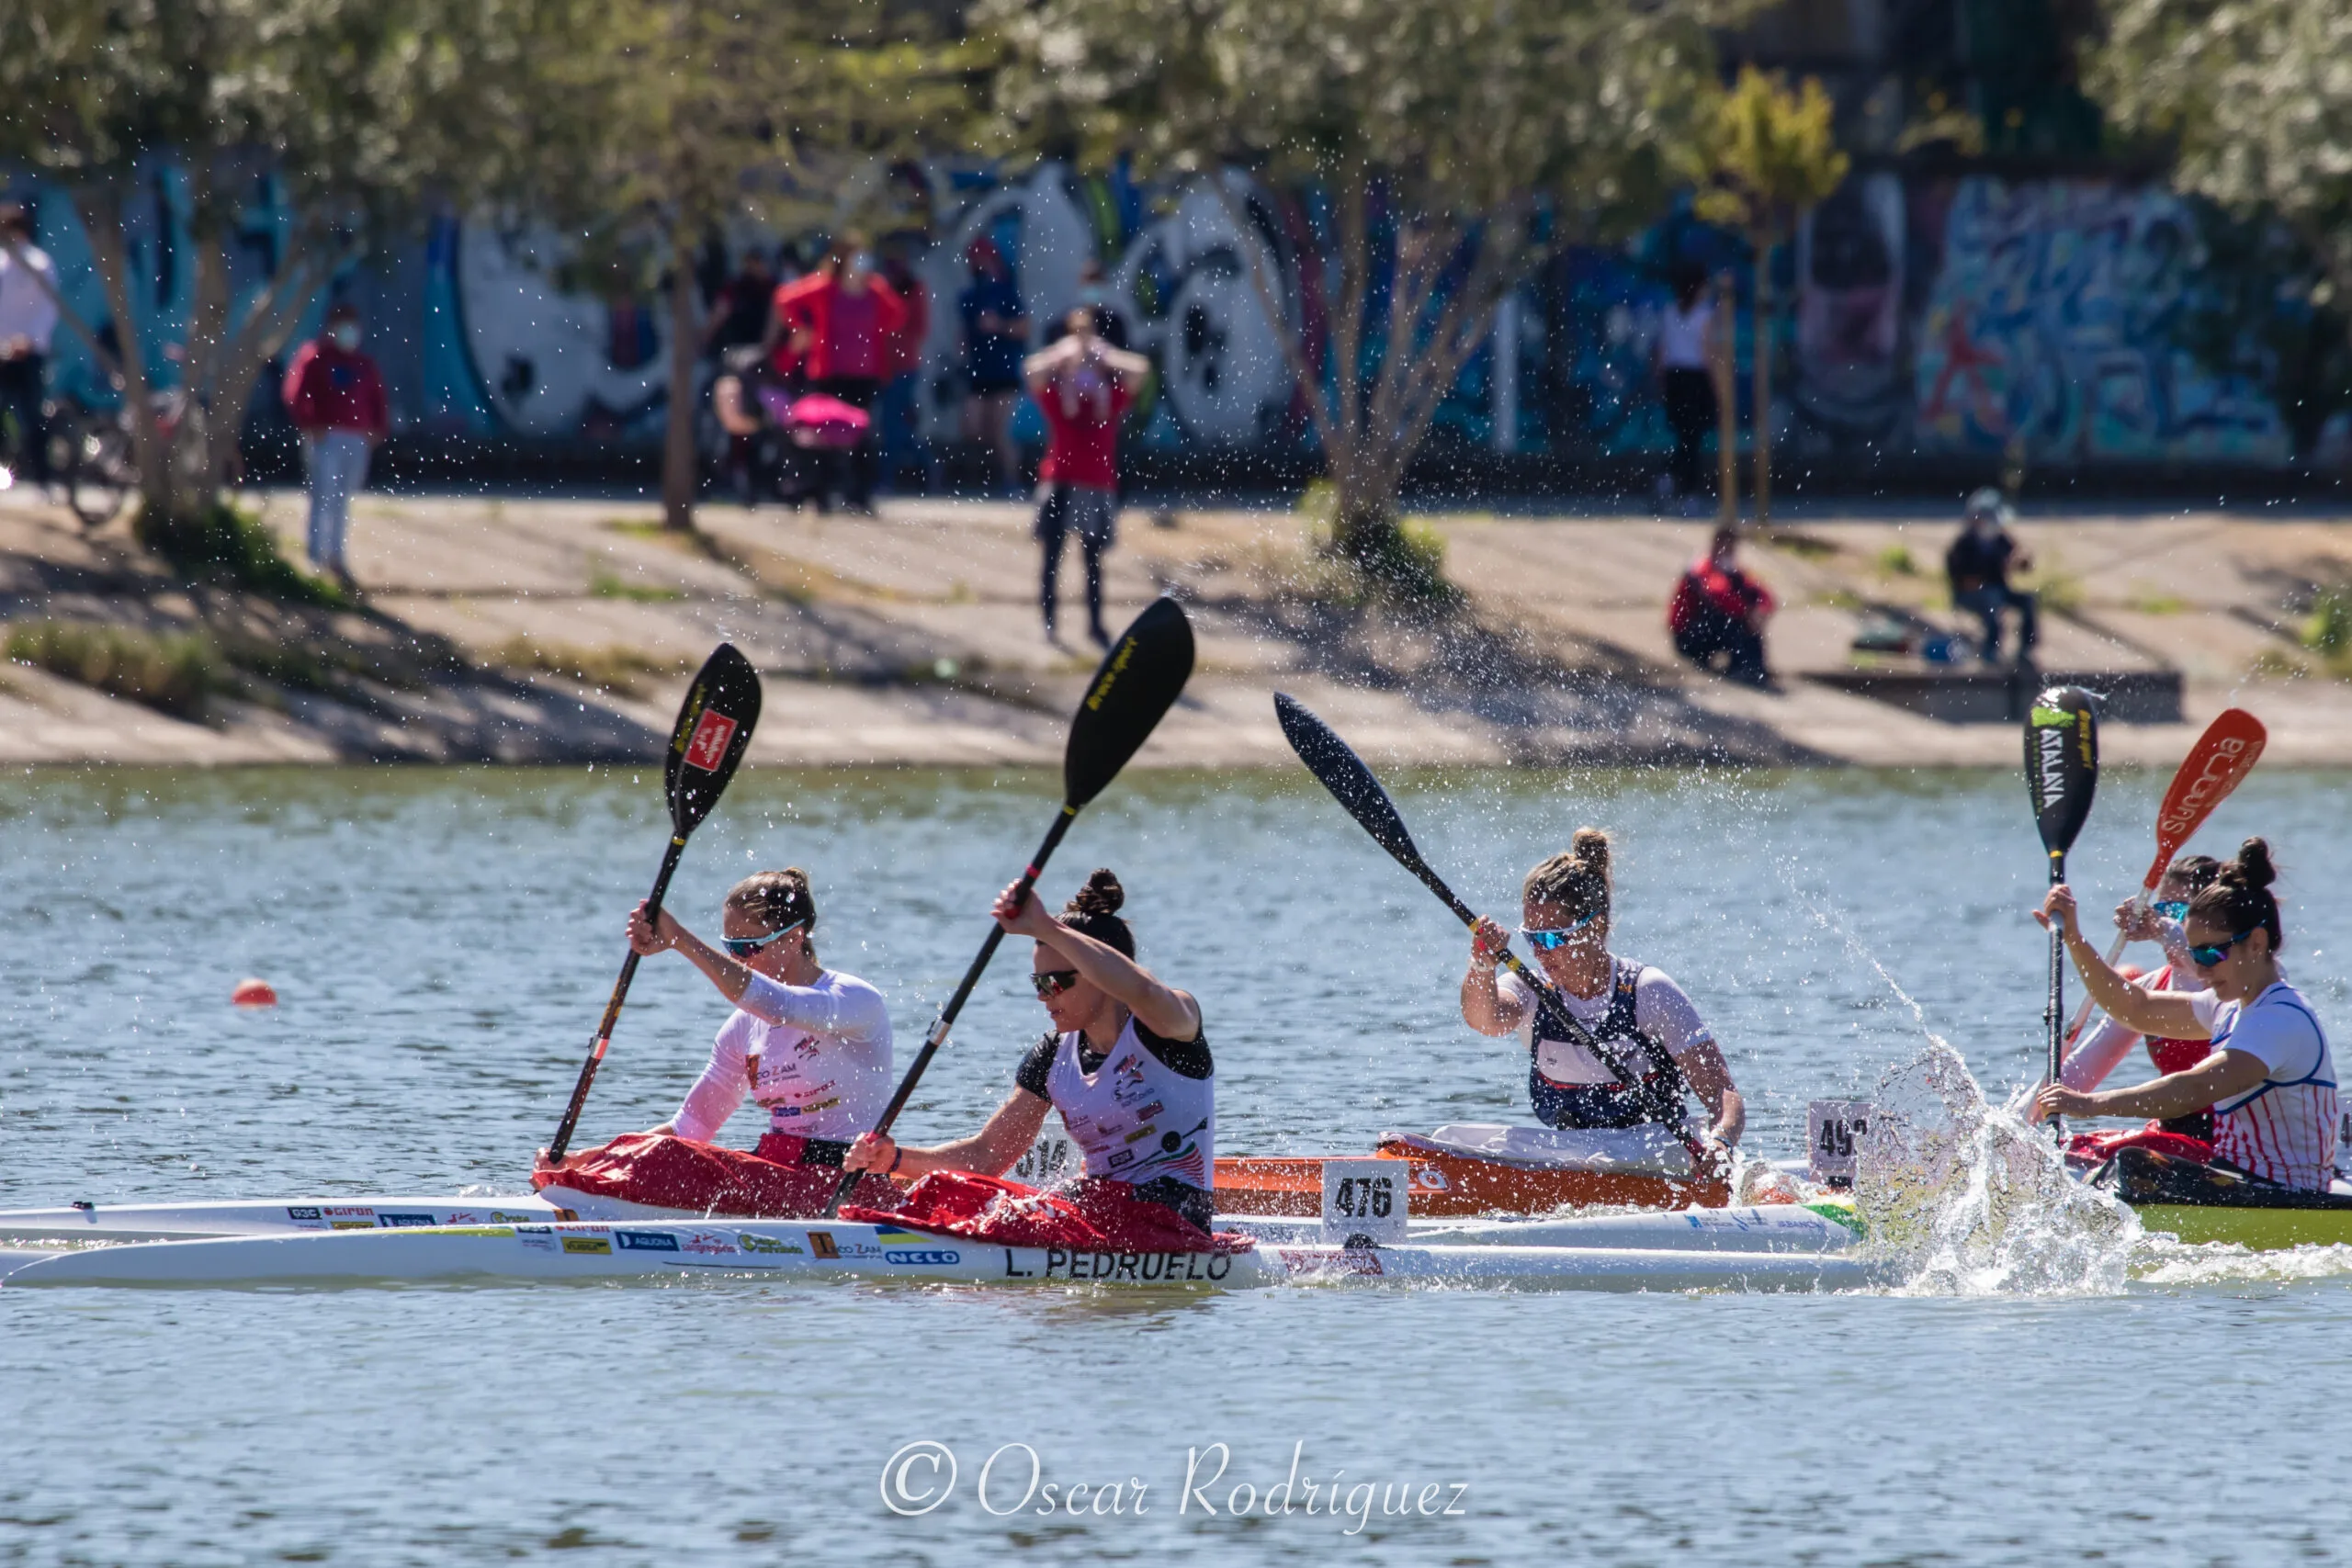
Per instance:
{"type": "Point", "coordinates": [1680, 360]}
{"type": "Point", "coordinates": [27, 322]}
{"type": "Point", "coordinates": [1648, 1020]}
{"type": "Point", "coordinates": [2270, 1078]}
{"type": "Point", "coordinates": [810, 1045]}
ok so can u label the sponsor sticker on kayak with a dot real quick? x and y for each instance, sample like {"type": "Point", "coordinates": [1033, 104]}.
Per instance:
{"type": "Point", "coordinates": [708, 747]}
{"type": "Point", "coordinates": [392, 1221]}
{"type": "Point", "coordinates": [301, 1213]}
{"type": "Point", "coordinates": [594, 1244]}
{"type": "Point", "coordinates": [751, 1243]}
{"type": "Point", "coordinates": [937, 1256]}
{"type": "Point", "coordinates": [646, 1241]}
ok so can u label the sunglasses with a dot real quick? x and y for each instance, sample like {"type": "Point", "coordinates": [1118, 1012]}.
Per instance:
{"type": "Point", "coordinates": [1546, 941]}
{"type": "Point", "coordinates": [1053, 982]}
{"type": "Point", "coordinates": [2171, 909]}
{"type": "Point", "coordinates": [2205, 956]}
{"type": "Point", "coordinates": [745, 946]}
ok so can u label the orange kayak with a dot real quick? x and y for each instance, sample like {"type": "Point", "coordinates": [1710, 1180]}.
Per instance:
{"type": "Point", "coordinates": [1447, 1179]}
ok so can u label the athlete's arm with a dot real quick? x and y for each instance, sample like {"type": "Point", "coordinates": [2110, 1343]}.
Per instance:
{"type": "Point", "coordinates": [2215, 1078]}
{"type": "Point", "coordinates": [646, 938]}
{"type": "Point", "coordinates": [1710, 1078]}
{"type": "Point", "coordinates": [1486, 1007]}
{"type": "Point", "coordinates": [2167, 1015]}
{"type": "Point", "coordinates": [720, 1090]}
{"type": "Point", "coordinates": [991, 1151]}
{"type": "Point", "coordinates": [1162, 1009]}
{"type": "Point", "coordinates": [2097, 1053]}
{"type": "Point", "coordinates": [1664, 1012]}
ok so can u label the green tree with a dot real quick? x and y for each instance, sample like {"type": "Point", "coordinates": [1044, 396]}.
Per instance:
{"type": "Point", "coordinates": [1768, 154]}
{"type": "Point", "coordinates": [1455, 141]}
{"type": "Point", "coordinates": [2253, 98]}
{"type": "Point", "coordinates": [356, 109]}
{"type": "Point", "coordinates": [694, 113]}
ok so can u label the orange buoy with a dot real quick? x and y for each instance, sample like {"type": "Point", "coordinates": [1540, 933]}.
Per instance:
{"type": "Point", "coordinates": [254, 994]}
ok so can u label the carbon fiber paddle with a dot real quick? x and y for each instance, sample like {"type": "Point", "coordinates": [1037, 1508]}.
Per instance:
{"type": "Point", "coordinates": [1139, 681]}
{"type": "Point", "coordinates": [2061, 775]}
{"type": "Point", "coordinates": [713, 726]}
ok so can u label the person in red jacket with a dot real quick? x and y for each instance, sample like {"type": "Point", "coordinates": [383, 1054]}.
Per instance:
{"type": "Point", "coordinates": [1718, 612]}
{"type": "Point", "coordinates": [1081, 385]}
{"type": "Point", "coordinates": [336, 396]}
{"type": "Point", "coordinates": [839, 321]}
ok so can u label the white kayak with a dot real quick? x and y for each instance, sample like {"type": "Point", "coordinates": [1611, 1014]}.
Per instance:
{"type": "Point", "coordinates": [264, 1216]}
{"type": "Point", "coordinates": [1773, 1247]}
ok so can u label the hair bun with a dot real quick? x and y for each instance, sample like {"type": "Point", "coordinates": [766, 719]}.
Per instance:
{"type": "Point", "coordinates": [2252, 868]}
{"type": "Point", "coordinates": [1100, 896]}
{"type": "Point", "coordinates": [1591, 846]}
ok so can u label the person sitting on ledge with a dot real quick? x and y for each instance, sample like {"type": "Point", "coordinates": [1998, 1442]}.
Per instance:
{"type": "Point", "coordinates": [1718, 612]}
{"type": "Point", "coordinates": [1978, 565]}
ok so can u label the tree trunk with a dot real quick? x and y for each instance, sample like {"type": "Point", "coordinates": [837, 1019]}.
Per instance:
{"type": "Point", "coordinates": [1763, 384]}
{"type": "Point", "coordinates": [1722, 348]}
{"type": "Point", "coordinates": [681, 469]}
{"type": "Point", "coordinates": [1363, 517]}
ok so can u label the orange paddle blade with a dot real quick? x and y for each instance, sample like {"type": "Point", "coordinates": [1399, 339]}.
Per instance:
{"type": "Point", "coordinates": [2223, 756]}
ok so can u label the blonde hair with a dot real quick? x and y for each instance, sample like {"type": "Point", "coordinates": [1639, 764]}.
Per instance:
{"type": "Point", "coordinates": [1576, 881]}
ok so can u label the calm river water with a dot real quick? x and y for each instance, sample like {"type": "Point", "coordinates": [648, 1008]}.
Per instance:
{"type": "Point", "coordinates": [443, 939]}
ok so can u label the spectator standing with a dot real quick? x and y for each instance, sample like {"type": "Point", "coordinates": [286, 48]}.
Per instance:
{"type": "Point", "coordinates": [1679, 359]}
{"type": "Point", "coordinates": [27, 322]}
{"type": "Point", "coordinates": [839, 320]}
{"type": "Point", "coordinates": [335, 394]}
{"type": "Point", "coordinates": [995, 328]}
{"type": "Point", "coordinates": [901, 407]}
{"type": "Point", "coordinates": [1978, 565]}
{"type": "Point", "coordinates": [741, 313]}
{"type": "Point", "coordinates": [1718, 612]}
{"type": "Point", "coordinates": [1082, 386]}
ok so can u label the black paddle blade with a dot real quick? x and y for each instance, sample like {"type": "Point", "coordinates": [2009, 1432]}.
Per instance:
{"type": "Point", "coordinates": [714, 727]}
{"type": "Point", "coordinates": [1139, 681]}
{"type": "Point", "coordinates": [2062, 763]}
{"type": "Point", "coordinates": [1334, 761]}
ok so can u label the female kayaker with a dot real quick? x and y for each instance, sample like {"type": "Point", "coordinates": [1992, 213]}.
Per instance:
{"type": "Point", "coordinates": [2270, 1078]}
{"type": "Point", "coordinates": [1635, 1008]}
{"type": "Point", "coordinates": [810, 1044]}
{"type": "Point", "coordinates": [1125, 1064]}
{"type": "Point", "coordinates": [2102, 1050]}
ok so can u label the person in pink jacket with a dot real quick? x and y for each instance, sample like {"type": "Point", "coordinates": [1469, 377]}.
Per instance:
{"type": "Point", "coordinates": [336, 396]}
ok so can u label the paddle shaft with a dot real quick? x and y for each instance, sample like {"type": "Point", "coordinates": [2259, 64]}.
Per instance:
{"type": "Point", "coordinates": [2056, 1007]}
{"type": "Point", "coordinates": [603, 1040]}
{"type": "Point", "coordinates": [946, 1020]}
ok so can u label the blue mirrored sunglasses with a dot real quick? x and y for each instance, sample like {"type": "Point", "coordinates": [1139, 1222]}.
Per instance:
{"type": "Point", "coordinates": [745, 946]}
{"type": "Point", "coordinates": [2206, 955]}
{"type": "Point", "coordinates": [1546, 941]}
{"type": "Point", "coordinates": [2171, 909]}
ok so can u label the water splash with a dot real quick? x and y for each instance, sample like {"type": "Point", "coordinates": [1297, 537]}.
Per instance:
{"type": "Point", "coordinates": [1968, 1200]}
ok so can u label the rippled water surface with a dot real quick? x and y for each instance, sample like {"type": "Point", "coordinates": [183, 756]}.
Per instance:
{"type": "Point", "coordinates": [442, 942]}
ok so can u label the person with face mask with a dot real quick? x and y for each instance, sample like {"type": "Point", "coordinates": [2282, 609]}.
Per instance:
{"type": "Point", "coordinates": [335, 394]}
{"type": "Point", "coordinates": [1979, 564]}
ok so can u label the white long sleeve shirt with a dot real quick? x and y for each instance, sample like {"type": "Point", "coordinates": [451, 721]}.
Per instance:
{"type": "Point", "coordinates": [26, 309]}
{"type": "Point", "coordinates": [818, 1057]}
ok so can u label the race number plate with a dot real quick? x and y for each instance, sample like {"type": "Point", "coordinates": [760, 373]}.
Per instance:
{"type": "Point", "coordinates": [1365, 1199]}
{"type": "Point", "coordinates": [1049, 1162]}
{"type": "Point", "coordinates": [1834, 1130]}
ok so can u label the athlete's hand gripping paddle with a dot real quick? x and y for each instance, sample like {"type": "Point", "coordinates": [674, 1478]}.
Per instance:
{"type": "Point", "coordinates": [1334, 764]}
{"type": "Point", "coordinates": [713, 726]}
{"type": "Point", "coordinates": [2222, 758]}
{"type": "Point", "coordinates": [1139, 681]}
{"type": "Point", "coordinates": [2061, 775]}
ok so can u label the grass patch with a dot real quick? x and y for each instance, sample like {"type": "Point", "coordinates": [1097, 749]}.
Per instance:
{"type": "Point", "coordinates": [172, 674]}
{"type": "Point", "coordinates": [1804, 546]}
{"type": "Point", "coordinates": [226, 545]}
{"type": "Point", "coordinates": [2327, 631]}
{"type": "Point", "coordinates": [2270, 664]}
{"type": "Point", "coordinates": [1402, 563]}
{"type": "Point", "coordinates": [624, 670]}
{"type": "Point", "coordinates": [1895, 562]}
{"type": "Point", "coordinates": [2060, 591]}
{"type": "Point", "coordinates": [605, 584]}
{"type": "Point", "coordinates": [1843, 599]}
{"type": "Point", "coordinates": [2153, 601]}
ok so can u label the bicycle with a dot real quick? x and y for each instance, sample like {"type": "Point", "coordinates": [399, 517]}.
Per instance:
{"type": "Point", "coordinates": [89, 455]}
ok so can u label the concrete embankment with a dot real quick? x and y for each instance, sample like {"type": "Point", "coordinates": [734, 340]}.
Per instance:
{"type": "Point", "coordinates": [546, 631]}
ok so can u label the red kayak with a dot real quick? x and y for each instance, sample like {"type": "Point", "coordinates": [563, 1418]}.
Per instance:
{"type": "Point", "coordinates": [1485, 1168]}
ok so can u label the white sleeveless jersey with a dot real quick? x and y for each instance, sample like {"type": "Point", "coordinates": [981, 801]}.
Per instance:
{"type": "Point", "coordinates": [1136, 1119]}
{"type": "Point", "coordinates": [2285, 1128]}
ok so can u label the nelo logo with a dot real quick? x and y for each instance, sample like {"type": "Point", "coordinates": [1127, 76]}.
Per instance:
{"type": "Point", "coordinates": [708, 744]}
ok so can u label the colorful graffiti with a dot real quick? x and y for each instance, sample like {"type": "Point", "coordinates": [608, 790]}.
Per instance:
{"type": "Point", "coordinates": [2053, 319]}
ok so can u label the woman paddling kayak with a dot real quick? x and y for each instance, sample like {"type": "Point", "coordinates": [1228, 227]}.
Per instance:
{"type": "Point", "coordinates": [2102, 1050]}
{"type": "Point", "coordinates": [1564, 906]}
{"type": "Point", "coordinates": [810, 1046]}
{"type": "Point", "coordinates": [2269, 1078]}
{"type": "Point", "coordinates": [1125, 1063]}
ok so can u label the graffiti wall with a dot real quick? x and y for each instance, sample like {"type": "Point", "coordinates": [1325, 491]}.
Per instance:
{"type": "Point", "coordinates": [1932, 317]}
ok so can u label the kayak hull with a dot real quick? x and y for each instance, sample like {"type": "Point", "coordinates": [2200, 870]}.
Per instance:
{"type": "Point", "coordinates": [1445, 1185]}
{"type": "Point", "coordinates": [585, 1252]}
{"type": "Point", "coordinates": [2203, 1203]}
{"type": "Point", "coordinates": [263, 1216]}
{"type": "Point", "coordinates": [2257, 1229]}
